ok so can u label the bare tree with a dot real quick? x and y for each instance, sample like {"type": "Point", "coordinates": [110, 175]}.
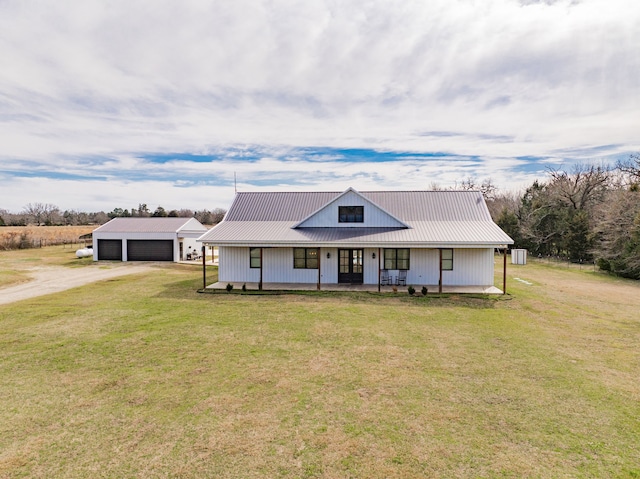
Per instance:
{"type": "Point", "coordinates": [486, 186]}
{"type": "Point", "coordinates": [35, 211]}
{"type": "Point", "coordinates": [51, 215]}
{"type": "Point", "coordinates": [217, 215]}
{"type": "Point", "coordinates": [207, 217]}
{"type": "Point", "coordinates": [631, 169]}
{"type": "Point", "coordinates": [507, 201]}
{"type": "Point", "coordinates": [583, 187]}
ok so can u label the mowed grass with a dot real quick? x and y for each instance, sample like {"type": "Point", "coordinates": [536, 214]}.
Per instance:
{"type": "Point", "coordinates": [141, 376]}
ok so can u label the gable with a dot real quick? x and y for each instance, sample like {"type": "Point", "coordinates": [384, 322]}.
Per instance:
{"type": "Point", "coordinates": [351, 210]}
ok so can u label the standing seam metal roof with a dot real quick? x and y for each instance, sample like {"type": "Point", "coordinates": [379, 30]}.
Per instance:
{"type": "Point", "coordinates": [434, 217]}
{"type": "Point", "coordinates": [405, 205]}
{"type": "Point", "coordinates": [147, 225]}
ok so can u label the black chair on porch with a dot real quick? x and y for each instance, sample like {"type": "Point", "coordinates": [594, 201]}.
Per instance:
{"type": "Point", "coordinates": [384, 277]}
{"type": "Point", "coordinates": [402, 277]}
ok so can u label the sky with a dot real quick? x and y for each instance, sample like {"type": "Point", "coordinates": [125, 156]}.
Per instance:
{"type": "Point", "coordinates": [110, 104]}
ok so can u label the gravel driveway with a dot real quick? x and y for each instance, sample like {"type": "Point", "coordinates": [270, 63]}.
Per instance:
{"type": "Point", "coordinates": [50, 279]}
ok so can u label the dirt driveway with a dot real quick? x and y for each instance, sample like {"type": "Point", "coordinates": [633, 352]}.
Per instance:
{"type": "Point", "coordinates": [51, 279]}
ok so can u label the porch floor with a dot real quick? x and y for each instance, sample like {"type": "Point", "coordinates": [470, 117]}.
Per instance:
{"type": "Point", "coordinates": [355, 287]}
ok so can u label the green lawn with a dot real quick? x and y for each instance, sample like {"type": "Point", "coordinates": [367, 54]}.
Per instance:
{"type": "Point", "coordinates": [142, 376]}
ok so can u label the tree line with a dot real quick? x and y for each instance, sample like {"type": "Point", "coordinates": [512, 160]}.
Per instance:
{"type": "Point", "coordinates": [590, 213]}
{"type": "Point", "coordinates": [46, 214]}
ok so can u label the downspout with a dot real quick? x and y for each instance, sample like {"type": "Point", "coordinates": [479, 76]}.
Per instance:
{"type": "Point", "coordinates": [440, 280]}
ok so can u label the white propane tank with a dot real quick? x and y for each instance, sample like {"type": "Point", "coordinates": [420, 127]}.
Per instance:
{"type": "Point", "coordinates": [84, 252]}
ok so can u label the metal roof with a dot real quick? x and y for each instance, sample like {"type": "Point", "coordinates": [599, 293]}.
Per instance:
{"type": "Point", "coordinates": [434, 218]}
{"type": "Point", "coordinates": [150, 225]}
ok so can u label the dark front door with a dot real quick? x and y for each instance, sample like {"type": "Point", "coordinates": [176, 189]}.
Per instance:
{"type": "Point", "coordinates": [350, 266]}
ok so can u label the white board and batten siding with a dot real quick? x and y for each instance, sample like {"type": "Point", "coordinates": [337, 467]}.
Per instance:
{"type": "Point", "coordinates": [472, 267]}
{"type": "Point", "coordinates": [277, 266]}
{"type": "Point", "coordinates": [373, 215]}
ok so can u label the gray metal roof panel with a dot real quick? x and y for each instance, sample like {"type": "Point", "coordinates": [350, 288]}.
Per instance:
{"type": "Point", "coordinates": [277, 206]}
{"type": "Point", "coordinates": [148, 225]}
{"type": "Point", "coordinates": [405, 205]}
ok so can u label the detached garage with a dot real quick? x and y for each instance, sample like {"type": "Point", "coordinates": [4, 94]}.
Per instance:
{"type": "Point", "coordinates": [147, 239]}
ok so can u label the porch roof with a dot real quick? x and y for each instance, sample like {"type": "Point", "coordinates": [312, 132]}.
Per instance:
{"type": "Point", "coordinates": [421, 234]}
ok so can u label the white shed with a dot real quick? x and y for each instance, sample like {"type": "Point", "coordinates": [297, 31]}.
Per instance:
{"type": "Point", "coordinates": [518, 256]}
{"type": "Point", "coordinates": [147, 239]}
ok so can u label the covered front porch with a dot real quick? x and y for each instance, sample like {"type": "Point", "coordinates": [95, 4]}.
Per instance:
{"type": "Point", "coordinates": [433, 289]}
{"type": "Point", "coordinates": [359, 269]}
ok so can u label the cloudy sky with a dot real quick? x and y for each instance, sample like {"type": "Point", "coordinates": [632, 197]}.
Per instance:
{"type": "Point", "coordinates": [108, 104]}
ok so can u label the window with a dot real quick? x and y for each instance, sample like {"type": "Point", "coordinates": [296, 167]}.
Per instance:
{"type": "Point", "coordinates": [447, 260]}
{"type": "Point", "coordinates": [254, 258]}
{"type": "Point", "coordinates": [305, 258]}
{"type": "Point", "coordinates": [396, 258]}
{"type": "Point", "coordinates": [351, 214]}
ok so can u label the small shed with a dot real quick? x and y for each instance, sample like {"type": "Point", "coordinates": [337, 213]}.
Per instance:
{"type": "Point", "coordinates": [518, 256]}
{"type": "Point", "coordinates": [147, 239]}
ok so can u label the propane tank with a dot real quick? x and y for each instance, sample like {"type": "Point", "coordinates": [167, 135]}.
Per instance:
{"type": "Point", "coordinates": [84, 252]}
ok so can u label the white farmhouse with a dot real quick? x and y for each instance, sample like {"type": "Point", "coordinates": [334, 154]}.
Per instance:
{"type": "Point", "coordinates": [420, 238]}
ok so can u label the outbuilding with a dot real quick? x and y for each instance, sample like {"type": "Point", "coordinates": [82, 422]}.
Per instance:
{"type": "Point", "coordinates": [148, 239]}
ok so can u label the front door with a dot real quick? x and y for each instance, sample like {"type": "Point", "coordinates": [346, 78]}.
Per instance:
{"type": "Point", "coordinates": [350, 266]}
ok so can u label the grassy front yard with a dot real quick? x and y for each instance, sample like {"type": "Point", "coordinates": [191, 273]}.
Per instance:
{"type": "Point", "coordinates": [141, 376]}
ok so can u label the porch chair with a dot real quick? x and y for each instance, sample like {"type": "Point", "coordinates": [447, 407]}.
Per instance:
{"type": "Point", "coordinates": [402, 277]}
{"type": "Point", "coordinates": [384, 277]}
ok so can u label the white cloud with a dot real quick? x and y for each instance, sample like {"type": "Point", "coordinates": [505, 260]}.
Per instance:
{"type": "Point", "coordinates": [87, 79]}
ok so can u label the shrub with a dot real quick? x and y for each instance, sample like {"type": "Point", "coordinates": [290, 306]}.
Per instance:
{"type": "Point", "coordinates": [229, 287]}
{"type": "Point", "coordinates": [411, 290]}
{"type": "Point", "coordinates": [244, 288]}
{"type": "Point", "coordinates": [603, 264]}
{"type": "Point", "coordinates": [424, 291]}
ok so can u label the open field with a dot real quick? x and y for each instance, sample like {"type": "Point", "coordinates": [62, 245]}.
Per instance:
{"type": "Point", "coordinates": [14, 237]}
{"type": "Point", "coordinates": [140, 376]}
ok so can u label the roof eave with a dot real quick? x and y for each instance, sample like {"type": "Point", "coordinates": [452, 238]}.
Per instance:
{"type": "Point", "coordinates": [363, 244]}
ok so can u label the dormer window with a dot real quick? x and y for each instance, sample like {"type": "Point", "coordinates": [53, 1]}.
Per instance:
{"type": "Point", "coordinates": [351, 214]}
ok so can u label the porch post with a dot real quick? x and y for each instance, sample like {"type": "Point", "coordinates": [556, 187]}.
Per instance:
{"type": "Point", "coordinates": [504, 271]}
{"type": "Point", "coordinates": [440, 280]}
{"type": "Point", "coordinates": [260, 283]}
{"type": "Point", "coordinates": [204, 267]}
{"type": "Point", "coordinates": [319, 263]}
{"type": "Point", "coordinates": [379, 260]}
